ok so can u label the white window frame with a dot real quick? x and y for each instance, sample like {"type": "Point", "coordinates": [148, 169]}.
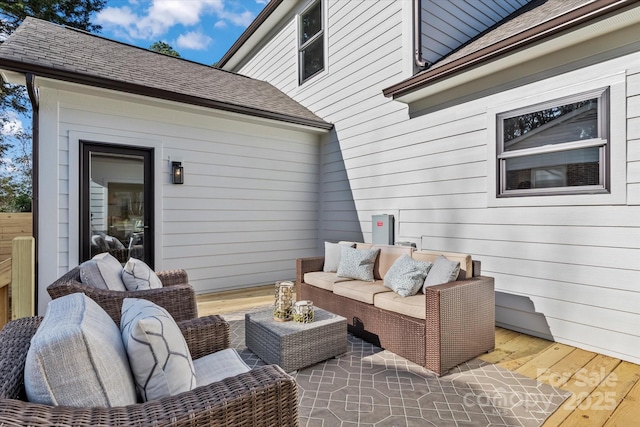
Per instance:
{"type": "Point", "coordinates": [602, 142]}
{"type": "Point", "coordinates": [304, 46]}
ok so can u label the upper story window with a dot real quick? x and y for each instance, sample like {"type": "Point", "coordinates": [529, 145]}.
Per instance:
{"type": "Point", "coordinates": [560, 147]}
{"type": "Point", "coordinates": [311, 41]}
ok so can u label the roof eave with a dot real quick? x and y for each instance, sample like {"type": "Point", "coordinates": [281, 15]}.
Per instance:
{"type": "Point", "coordinates": [100, 82]}
{"type": "Point", "coordinates": [411, 88]}
{"type": "Point", "coordinates": [273, 12]}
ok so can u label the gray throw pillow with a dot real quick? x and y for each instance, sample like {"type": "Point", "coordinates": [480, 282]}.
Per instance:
{"type": "Point", "coordinates": [217, 366]}
{"type": "Point", "coordinates": [77, 358]}
{"type": "Point", "coordinates": [442, 271]}
{"type": "Point", "coordinates": [357, 263]}
{"type": "Point", "coordinates": [102, 271]}
{"type": "Point", "coordinates": [158, 353]}
{"type": "Point", "coordinates": [332, 254]}
{"type": "Point", "coordinates": [137, 276]}
{"type": "Point", "coordinates": [406, 275]}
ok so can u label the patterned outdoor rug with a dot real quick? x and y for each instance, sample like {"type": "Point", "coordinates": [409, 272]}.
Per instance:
{"type": "Point", "coordinates": [368, 386]}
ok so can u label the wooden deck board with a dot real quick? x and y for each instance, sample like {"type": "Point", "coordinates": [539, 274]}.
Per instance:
{"type": "Point", "coordinates": [628, 412]}
{"type": "Point", "coordinates": [539, 365]}
{"type": "Point", "coordinates": [597, 407]}
{"type": "Point", "coordinates": [589, 376]}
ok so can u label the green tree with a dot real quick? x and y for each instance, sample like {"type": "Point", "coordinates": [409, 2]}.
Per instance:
{"type": "Point", "coordinates": [74, 13]}
{"type": "Point", "coordinates": [162, 47]}
{"type": "Point", "coordinates": [15, 176]}
{"type": "Point", "coordinates": [13, 99]}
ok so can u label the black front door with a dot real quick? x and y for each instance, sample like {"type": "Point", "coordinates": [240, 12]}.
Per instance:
{"type": "Point", "coordinates": [116, 203]}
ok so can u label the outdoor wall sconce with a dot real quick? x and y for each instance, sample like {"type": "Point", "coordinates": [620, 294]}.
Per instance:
{"type": "Point", "coordinates": [177, 173]}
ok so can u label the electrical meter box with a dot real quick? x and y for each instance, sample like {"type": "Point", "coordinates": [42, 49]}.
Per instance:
{"type": "Point", "coordinates": [382, 229]}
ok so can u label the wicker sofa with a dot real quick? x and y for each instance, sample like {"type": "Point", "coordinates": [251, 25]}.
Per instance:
{"type": "Point", "coordinates": [264, 396]}
{"type": "Point", "coordinates": [449, 324]}
{"type": "Point", "coordinates": [176, 294]}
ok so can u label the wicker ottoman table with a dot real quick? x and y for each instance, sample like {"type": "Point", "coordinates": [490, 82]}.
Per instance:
{"type": "Point", "coordinates": [295, 345]}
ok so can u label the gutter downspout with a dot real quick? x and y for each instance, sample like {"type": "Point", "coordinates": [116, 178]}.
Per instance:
{"type": "Point", "coordinates": [32, 90]}
{"type": "Point", "coordinates": [417, 42]}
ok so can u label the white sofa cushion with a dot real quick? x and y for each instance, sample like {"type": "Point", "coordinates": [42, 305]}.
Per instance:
{"type": "Point", "coordinates": [406, 275]}
{"type": "Point", "coordinates": [360, 290]}
{"type": "Point", "coordinates": [218, 366]}
{"type": "Point", "coordinates": [137, 276]}
{"type": "Point", "coordinates": [414, 306]}
{"type": "Point", "coordinates": [323, 280]}
{"type": "Point", "coordinates": [158, 353]}
{"type": "Point", "coordinates": [77, 358]}
{"type": "Point", "coordinates": [102, 271]}
{"type": "Point", "coordinates": [357, 263]}
{"type": "Point", "coordinates": [442, 271]}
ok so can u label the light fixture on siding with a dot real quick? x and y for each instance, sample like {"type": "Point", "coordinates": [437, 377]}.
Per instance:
{"type": "Point", "coordinates": [177, 173]}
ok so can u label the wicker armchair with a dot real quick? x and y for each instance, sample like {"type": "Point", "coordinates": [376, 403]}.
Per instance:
{"type": "Point", "coordinates": [264, 396]}
{"type": "Point", "coordinates": [176, 295]}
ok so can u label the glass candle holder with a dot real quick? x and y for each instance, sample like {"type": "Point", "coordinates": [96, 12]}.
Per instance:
{"type": "Point", "coordinates": [303, 311]}
{"type": "Point", "coordinates": [283, 301]}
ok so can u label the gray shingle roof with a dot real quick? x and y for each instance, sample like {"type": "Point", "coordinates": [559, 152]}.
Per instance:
{"type": "Point", "coordinates": [538, 21]}
{"type": "Point", "coordinates": [55, 51]}
{"type": "Point", "coordinates": [530, 16]}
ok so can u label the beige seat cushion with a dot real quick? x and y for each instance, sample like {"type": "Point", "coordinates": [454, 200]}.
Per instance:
{"type": "Point", "coordinates": [466, 265]}
{"type": "Point", "coordinates": [323, 280]}
{"type": "Point", "coordinates": [413, 306]}
{"type": "Point", "coordinates": [360, 290]}
{"type": "Point", "coordinates": [388, 255]}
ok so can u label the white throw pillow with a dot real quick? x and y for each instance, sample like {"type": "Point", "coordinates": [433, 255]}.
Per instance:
{"type": "Point", "coordinates": [357, 263]}
{"type": "Point", "coordinates": [77, 358]}
{"type": "Point", "coordinates": [442, 271]}
{"type": "Point", "coordinates": [332, 254]}
{"type": "Point", "coordinates": [137, 276]}
{"type": "Point", "coordinates": [102, 271]}
{"type": "Point", "coordinates": [158, 354]}
{"type": "Point", "coordinates": [406, 276]}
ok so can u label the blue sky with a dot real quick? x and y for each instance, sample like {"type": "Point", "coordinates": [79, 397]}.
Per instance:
{"type": "Point", "coordinates": [200, 30]}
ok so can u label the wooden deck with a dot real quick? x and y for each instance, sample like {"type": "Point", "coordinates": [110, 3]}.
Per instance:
{"type": "Point", "coordinates": [606, 390]}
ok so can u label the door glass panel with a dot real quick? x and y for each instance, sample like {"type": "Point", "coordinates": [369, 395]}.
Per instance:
{"type": "Point", "coordinates": [117, 210]}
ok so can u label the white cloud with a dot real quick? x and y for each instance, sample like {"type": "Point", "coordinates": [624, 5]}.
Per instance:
{"type": "Point", "coordinates": [118, 16]}
{"type": "Point", "coordinates": [7, 166]}
{"type": "Point", "coordinates": [220, 24]}
{"type": "Point", "coordinates": [151, 19]}
{"type": "Point", "coordinates": [193, 40]}
{"type": "Point", "coordinates": [242, 19]}
{"type": "Point", "coordinates": [12, 125]}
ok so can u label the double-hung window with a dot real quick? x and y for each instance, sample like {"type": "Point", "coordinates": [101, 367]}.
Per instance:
{"type": "Point", "coordinates": [311, 41]}
{"type": "Point", "coordinates": [559, 147]}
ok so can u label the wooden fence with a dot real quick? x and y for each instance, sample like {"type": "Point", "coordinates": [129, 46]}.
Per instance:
{"type": "Point", "coordinates": [13, 225]}
{"type": "Point", "coordinates": [17, 281]}
{"type": "Point", "coordinates": [16, 266]}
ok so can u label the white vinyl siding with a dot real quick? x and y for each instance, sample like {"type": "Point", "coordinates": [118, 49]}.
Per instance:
{"type": "Point", "coordinates": [566, 267]}
{"type": "Point", "coordinates": [248, 207]}
{"type": "Point", "coordinates": [633, 123]}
